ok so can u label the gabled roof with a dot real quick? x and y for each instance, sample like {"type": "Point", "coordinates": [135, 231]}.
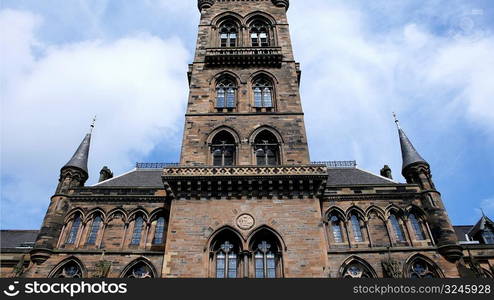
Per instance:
{"type": "Point", "coordinates": [480, 226]}
{"type": "Point", "coordinates": [355, 176]}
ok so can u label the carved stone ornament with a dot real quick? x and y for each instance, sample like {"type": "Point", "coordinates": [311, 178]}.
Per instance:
{"type": "Point", "coordinates": [245, 221]}
{"type": "Point", "coordinates": [392, 268]}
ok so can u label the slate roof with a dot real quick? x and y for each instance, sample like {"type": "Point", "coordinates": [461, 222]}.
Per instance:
{"type": "Point", "coordinates": [462, 231]}
{"type": "Point", "coordinates": [17, 238]}
{"type": "Point", "coordinates": [80, 157]}
{"type": "Point", "coordinates": [135, 178]}
{"type": "Point", "coordinates": [152, 178]}
{"type": "Point", "coordinates": [408, 152]}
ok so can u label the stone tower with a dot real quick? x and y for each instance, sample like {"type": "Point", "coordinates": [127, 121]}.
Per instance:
{"type": "Point", "coordinates": [244, 88]}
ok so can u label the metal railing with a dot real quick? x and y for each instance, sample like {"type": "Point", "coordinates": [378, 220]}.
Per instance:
{"type": "Point", "coordinates": [337, 163]}
{"type": "Point", "coordinates": [243, 51]}
{"type": "Point", "coordinates": [155, 165]}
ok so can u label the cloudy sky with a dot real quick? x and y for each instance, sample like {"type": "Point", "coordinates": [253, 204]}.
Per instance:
{"type": "Point", "coordinates": [62, 62]}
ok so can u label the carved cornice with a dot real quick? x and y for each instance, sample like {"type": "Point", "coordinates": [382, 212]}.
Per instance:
{"type": "Point", "coordinates": [244, 56]}
{"type": "Point", "coordinates": [204, 4]}
{"type": "Point", "coordinates": [358, 197]}
{"type": "Point", "coordinates": [245, 181]}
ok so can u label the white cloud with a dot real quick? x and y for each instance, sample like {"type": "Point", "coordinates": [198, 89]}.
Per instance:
{"type": "Point", "coordinates": [136, 85]}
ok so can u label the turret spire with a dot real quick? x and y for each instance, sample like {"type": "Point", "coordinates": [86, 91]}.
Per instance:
{"type": "Point", "coordinates": [409, 154]}
{"type": "Point", "coordinates": [80, 157]}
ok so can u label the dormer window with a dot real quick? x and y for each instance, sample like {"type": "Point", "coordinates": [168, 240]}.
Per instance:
{"type": "Point", "coordinates": [228, 35]}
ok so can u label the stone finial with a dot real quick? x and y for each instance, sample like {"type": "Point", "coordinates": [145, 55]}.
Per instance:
{"type": "Point", "coordinates": [386, 172]}
{"type": "Point", "coordinates": [105, 174]}
{"type": "Point", "coordinates": [202, 4]}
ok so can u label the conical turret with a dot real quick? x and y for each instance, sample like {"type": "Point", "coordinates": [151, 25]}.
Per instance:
{"type": "Point", "coordinates": [80, 157]}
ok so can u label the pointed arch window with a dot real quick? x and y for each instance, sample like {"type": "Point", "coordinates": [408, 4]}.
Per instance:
{"type": "Point", "coordinates": [223, 148]}
{"type": "Point", "coordinates": [336, 229]}
{"type": "Point", "coordinates": [226, 91]}
{"type": "Point", "coordinates": [76, 224]}
{"type": "Point", "coordinates": [266, 149]}
{"type": "Point", "coordinates": [70, 270]}
{"type": "Point", "coordinates": [419, 268]}
{"type": "Point", "coordinates": [265, 261]}
{"type": "Point", "coordinates": [226, 261]}
{"type": "Point", "coordinates": [93, 231]}
{"type": "Point", "coordinates": [228, 34]}
{"type": "Point", "coordinates": [263, 92]}
{"type": "Point", "coordinates": [397, 229]}
{"type": "Point", "coordinates": [139, 270]}
{"type": "Point", "coordinates": [417, 228]}
{"type": "Point", "coordinates": [136, 234]}
{"type": "Point", "coordinates": [356, 270]}
{"type": "Point", "coordinates": [159, 231]}
{"type": "Point", "coordinates": [356, 229]}
{"type": "Point", "coordinates": [259, 34]}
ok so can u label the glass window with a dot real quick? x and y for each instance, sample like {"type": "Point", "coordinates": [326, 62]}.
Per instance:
{"type": "Point", "coordinates": [336, 229]}
{"type": "Point", "coordinates": [417, 228]}
{"type": "Point", "coordinates": [356, 270]}
{"type": "Point", "coordinates": [223, 149]}
{"type": "Point", "coordinates": [228, 34]}
{"type": "Point", "coordinates": [357, 231]}
{"type": "Point", "coordinates": [259, 34]}
{"type": "Point", "coordinates": [69, 270]}
{"type": "Point", "coordinates": [74, 230]}
{"type": "Point", "coordinates": [136, 235]}
{"type": "Point", "coordinates": [139, 270]}
{"type": "Point", "coordinates": [93, 233]}
{"type": "Point", "coordinates": [421, 269]}
{"type": "Point", "coordinates": [263, 93]}
{"type": "Point", "coordinates": [226, 261]}
{"type": "Point", "coordinates": [265, 261]}
{"type": "Point", "coordinates": [488, 235]}
{"type": "Point", "coordinates": [397, 229]}
{"type": "Point", "coordinates": [159, 231]}
{"type": "Point", "coordinates": [225, 94]}
{"type": "Point", "coordinates": [266, 149]}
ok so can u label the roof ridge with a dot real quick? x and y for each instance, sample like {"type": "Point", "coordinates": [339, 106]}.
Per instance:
{"type": "Point", "coordinates": [377, 175]}
{"type": "Point", "coordinates": [110, 179]}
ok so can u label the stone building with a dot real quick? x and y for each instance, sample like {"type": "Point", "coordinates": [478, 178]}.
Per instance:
{"type": "Point", "coordinates": [245, 200]}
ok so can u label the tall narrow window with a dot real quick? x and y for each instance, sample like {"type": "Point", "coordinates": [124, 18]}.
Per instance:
{"type": "Point", "coordinates": [225, 94]}
{"type": "Point", "coordinates": [228, 35]}
{"type": "Point", "coordinates": [266, 149]}
{"type": "Point", "coordinates": [93, 233]}
{"type": "Point", "coordinates": [259, 34]}
{"type": "Point", "coordinates": [263, 93]}
{"type": "Point", "coordinates": [265, 261]}
{"type": "Point", "coordinates": [74, 230]}
{"type": "Point", "coordinates": [397, 229]}
{"type": "Point", "coordinates": [417, 228]}
{"type": "Point", "coordinates": [336, 229]}
{"type": "Point", "coordinates": [159, 231]}
{"type": "Point", "coordinates": [357, 231]}
{"type": "Point", "coordinates": [488, 235]}
{"type": "Point", "coordinates": [226, 261]}
{"type": "Point", "coordinates": [136, 235]}
{"type": "Point", "coordinates": [223, 149]}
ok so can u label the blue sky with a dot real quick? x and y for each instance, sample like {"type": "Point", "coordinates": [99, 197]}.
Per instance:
{"type": "Point", "coordinates": [125, 61]}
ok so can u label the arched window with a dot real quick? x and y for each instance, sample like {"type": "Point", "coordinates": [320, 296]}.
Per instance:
{"type": "Point", "coordinates": [397, 229]}
{"type": "Point", "coordinates": [259, 33]}
{"type": "Point", "coordinates": [228, 34]}
{"type": "Point", "coordinates": [223, 149]}
{"type": "Point", "coordinates": [419, 268]}
{"type": "Point", "coordinates": [69, 270]}
{"type": "Point", "coordinates": [356, 229]}
{"type": "Point", "coordinates": [159, 231]}
{"type": "Point", "coordinates": [336, 228]}
{"type": "Point", "coordinates": [136, 234]}
{"type": "Point", "coordinates": [76, 224]}
{"type": "Point", "coordinates": [263, 92]}
{"type": "Point", "coordinates": [417, 228]}
{"type": "Point", "coordinates": [225, 93]}
{"type": "Point", "coordinates": [93, 231]}
{"type": "Point", "coordinates": [225, 255]}
{"type": "Point", "coordinates": [266, 149]}
{"type": "Point", "coordinates": [139, 270]}
{"type": "Point", "coordinates": [267, 255]}
{"type": "Point", "coordinates": [356, 269]}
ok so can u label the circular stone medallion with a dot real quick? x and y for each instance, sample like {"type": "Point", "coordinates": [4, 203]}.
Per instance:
{"type": "Point", "coordinates": [245, 221]}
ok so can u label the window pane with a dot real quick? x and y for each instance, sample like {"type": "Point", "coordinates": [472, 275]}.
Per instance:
{"type": "Point", "coordinates": [158, 234]}
{"type": "Point", "coordinates": [74, 230]}
{"type": "Point", "coordinates": [397, 228]}
{"type": "Point", "coordinates": [419, 234]}
{"type": "Point", "coordinates": [259, 265]}
{"type": "Point", "coordinates": [257, 97]}
{"type": "Point", "coordinates": [232, 265]}
{"type": "Point", "coordinates": [357, 232]}
{"type": "Point", "coordinates": [267, 98]}
{"type": "Point", "coordinates": [271, 265]}
{"type": "Point", "coordinates": [228, 158]}
{"type": "Point", "coordinates": [217, 158]}
{"type": "Point", "coordinates": [261, 157]}
{"type": "Point", "coordinates": [271, 157]}
{"type": "Point", "coordinates": [220, 265]}
{"type": "Point", "coordinates": [220, 98]}
{"type": "Point", "coordinates": [230, 98]}
{"type": "Point", "coordinates": [335, 225]}
{"type": "Point", "coordinates": [91, 240]}
{"type": "Point", "coordinates": [136, 236]}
